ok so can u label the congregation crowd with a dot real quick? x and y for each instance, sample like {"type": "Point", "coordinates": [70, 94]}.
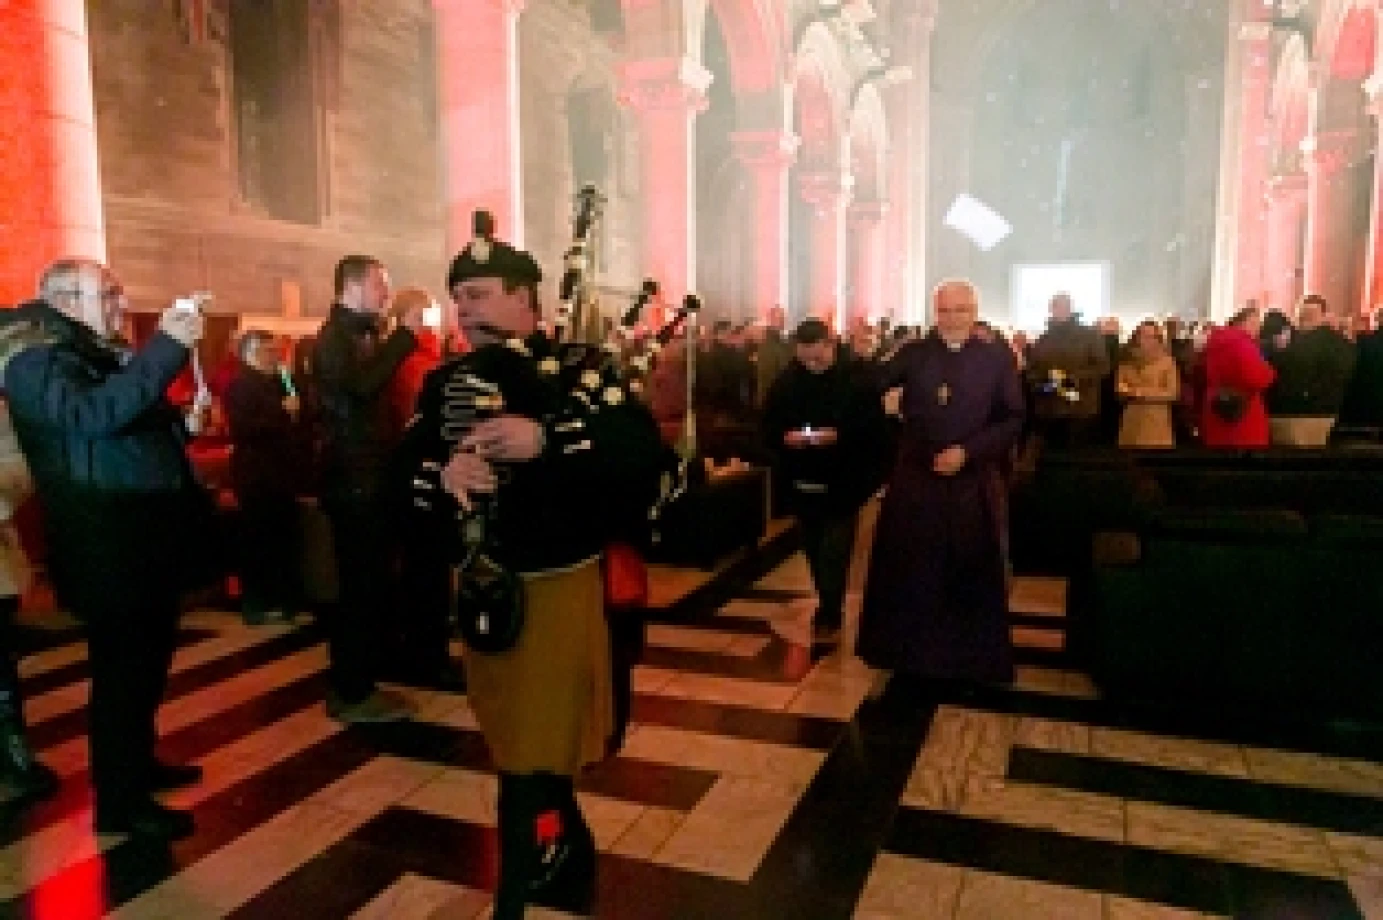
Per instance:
{"type": "Point", "coordinates": [405, 425]}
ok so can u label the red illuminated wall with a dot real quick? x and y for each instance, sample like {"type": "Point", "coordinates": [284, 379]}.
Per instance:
{"type": "Point", "coordinates": [50, 194]}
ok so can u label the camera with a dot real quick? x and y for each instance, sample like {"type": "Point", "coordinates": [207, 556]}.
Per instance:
{"type": "Point", "coordinates": [195, 302]}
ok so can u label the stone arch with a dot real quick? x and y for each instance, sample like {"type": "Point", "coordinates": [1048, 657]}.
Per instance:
{"type": "Point", "coordinates": [753, 31]}
{"type": "Point", "coordinates": [820, 96]}
{"type": "Point", "coordinates": [869, 144]}
{"type": "Point", "coordinates": [1346, 39]}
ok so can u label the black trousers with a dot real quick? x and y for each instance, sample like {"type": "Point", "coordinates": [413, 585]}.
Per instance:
{"type": "Point", "coordinates": [11, 704]}
{"type": "Point", "coordinates": [420, 624]}
{"type": "Point", "coordinates": [130, 643]}
{"type": "Point", "coordinates": [828, 540]}
{"type": "Point", "coordinates": [361, 530]}
{"type": "Point", "coordinates": [269, 552]}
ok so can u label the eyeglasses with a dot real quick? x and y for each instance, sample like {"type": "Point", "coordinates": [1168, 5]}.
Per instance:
{"type": "Point", "coordinates": [110, 293]}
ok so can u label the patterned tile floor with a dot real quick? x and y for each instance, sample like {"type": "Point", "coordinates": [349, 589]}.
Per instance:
{"type": "Point", "coordinates": [759, 781]}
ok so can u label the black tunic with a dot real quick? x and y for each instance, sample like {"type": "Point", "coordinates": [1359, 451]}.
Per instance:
{"type": "Point", "coordinates": [598, 473]}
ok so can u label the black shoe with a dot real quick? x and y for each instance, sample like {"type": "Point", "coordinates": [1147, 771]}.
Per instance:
{"type": "Point", "coordinates": [442, 676]}
{"type": "Point", "coordinates": [165, 776]}
{"type": "Point", "coordinates": [564, 870]}
{"type": "Point", "coordinates": [34, 783]}
{"type": "Point", "coordinates": [20, 770]}
{"type": "Point", "coordinates": [145, 819]}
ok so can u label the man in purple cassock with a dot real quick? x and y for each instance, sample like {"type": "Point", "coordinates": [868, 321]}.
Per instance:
{"type": "Point", "coordinates": [936, 603]}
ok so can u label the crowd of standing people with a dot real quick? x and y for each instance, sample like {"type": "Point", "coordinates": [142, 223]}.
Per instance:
{"type": "Point", "coordinates": [477, 475]}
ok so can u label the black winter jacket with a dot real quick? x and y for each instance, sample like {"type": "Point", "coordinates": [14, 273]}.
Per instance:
{"type": "Point", "coordinates": [353, 369]}
{"type": "Point", "coordinates": [122, 507]}
{"type": "Point", "coordinates": [1313, 372]}
{"type": "Point", "coordinates": [832, 479]}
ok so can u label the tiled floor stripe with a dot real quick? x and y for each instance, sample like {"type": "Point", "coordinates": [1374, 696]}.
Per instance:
{"type": "Point", "coordinates": [1136, 872]}
{"type": "Point", "coordinates": [757, 782]}
{"type": "Point", "coordinates": [195, 649]}
{"type": "Point", "coordinates": [67, 664]}
{"type": "Point", "coordinates": [258, 649]}
{"type": "Point", "coordinates": [1355, 814]}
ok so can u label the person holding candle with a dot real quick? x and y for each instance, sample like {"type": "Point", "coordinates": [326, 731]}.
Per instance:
{"type": "Point", "coordinates": [261, 410]}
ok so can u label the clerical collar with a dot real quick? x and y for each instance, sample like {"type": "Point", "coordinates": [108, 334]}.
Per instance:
{"type": "Point", "coordinates": [953, 346]}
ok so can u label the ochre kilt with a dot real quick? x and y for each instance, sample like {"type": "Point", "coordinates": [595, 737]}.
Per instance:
{"type": "Point", "coordinates": [547, 704]}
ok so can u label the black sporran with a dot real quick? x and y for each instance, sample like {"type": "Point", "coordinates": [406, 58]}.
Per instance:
{"type": "Point", "coordinates": [1228, 404]}
{"type": "Point", "coordinates": [489, 605]}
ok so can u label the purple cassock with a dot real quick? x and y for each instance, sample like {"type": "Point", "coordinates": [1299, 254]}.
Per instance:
{"type": "Point", "coordinates": [936, 602]}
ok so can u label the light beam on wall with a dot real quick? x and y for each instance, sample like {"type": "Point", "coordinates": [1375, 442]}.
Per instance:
{"type": "Point", "coordinates": [977, 222]}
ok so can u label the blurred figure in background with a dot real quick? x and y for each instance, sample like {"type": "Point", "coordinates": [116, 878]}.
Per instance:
{"type": "Point", "coordinates": [1066, 370]}
{"type": "Point", "coordinates": [1236, 377]}
{"type": "Point", "coordinates": [262, 408]}
{"type": "Point", "coordinates": [1148, 383]}
{"type": "Point", "coordinates": [1313, 370]}
{"type": "Point", "coordinates": [417, 650]}
{"type": "Point", "coordinates": [21, 773]}
{"type": "Point", "coordinates": [1363, 406]}
{"type": "Point", "coordinates": [411, 309]}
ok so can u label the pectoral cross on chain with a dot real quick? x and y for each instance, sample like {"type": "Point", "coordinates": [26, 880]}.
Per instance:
{"type": "Point", "coordinates": [943, 395]}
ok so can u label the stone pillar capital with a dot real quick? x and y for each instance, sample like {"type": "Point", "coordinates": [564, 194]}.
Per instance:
{"type": "Point", "coordinates": [1326, 153]}
{"type": "Point", "coordinates": [766, 150]}
{"type": "Point", "coordinates": [826, 191]}
{"type": "Point", "coordinates": [664, 85]}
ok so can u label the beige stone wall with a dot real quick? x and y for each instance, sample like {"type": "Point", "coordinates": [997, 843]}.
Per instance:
{"type": "Point", "coordinates": [174, 216]}
{"type": "Point", "coordinates": [176, 219]}
{"type": "Point", "coordinates": [557, 51]}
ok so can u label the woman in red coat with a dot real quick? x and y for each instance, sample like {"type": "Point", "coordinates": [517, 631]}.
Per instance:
{"type": "Point", "coordinates": [1236, 375]}
{"type": "Point", "coordinates": [408, 309]}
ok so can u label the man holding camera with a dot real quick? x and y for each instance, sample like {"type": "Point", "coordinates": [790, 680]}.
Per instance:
{"type": "Point", "coordinates": [354, 364]}
{"type": "Point", "coordinates": [124, 512]}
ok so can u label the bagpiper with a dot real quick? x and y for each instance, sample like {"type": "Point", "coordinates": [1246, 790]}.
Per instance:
{"type": "Point", "coordinates": [531, 457]}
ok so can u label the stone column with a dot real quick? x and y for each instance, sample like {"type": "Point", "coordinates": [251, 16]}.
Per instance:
{"type": "Point", "coordinates": [828, 193]}
{"type": "Point", "coordinates": [50, 179]}
{"type": "Point", "coordinates": [867, 229]}
{"type": "Point", "coordinates": [768, 157]}
{"type": "Point", "coordinates": [908, 106]}
{"type": "Point", "coordinates": [1373, 266]}
{"type": "Point", "coordinates": [1282, 263]}
{"type": "Point", "coordinates": [1243, 157]}
{"type": "Point", "coordinates": [667, 94]}
{"type": "Point", "coordinates": [478, 73]}
{"type": "Point", "coordinates": [1255, 78]}
{"type": "Point", "coordinates": [1328, 210]}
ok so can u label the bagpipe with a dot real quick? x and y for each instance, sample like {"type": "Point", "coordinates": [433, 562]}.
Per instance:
{"type": "Point", "coordinates": [579, 307]}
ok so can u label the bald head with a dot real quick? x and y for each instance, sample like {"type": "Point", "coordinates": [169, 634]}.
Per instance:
{"type": "Point", "coordinates": [956, 307]}
{"type": "Point", "coordinates": [1060, 307]}
{"type": "Point", "coordinates": [86, 291]}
